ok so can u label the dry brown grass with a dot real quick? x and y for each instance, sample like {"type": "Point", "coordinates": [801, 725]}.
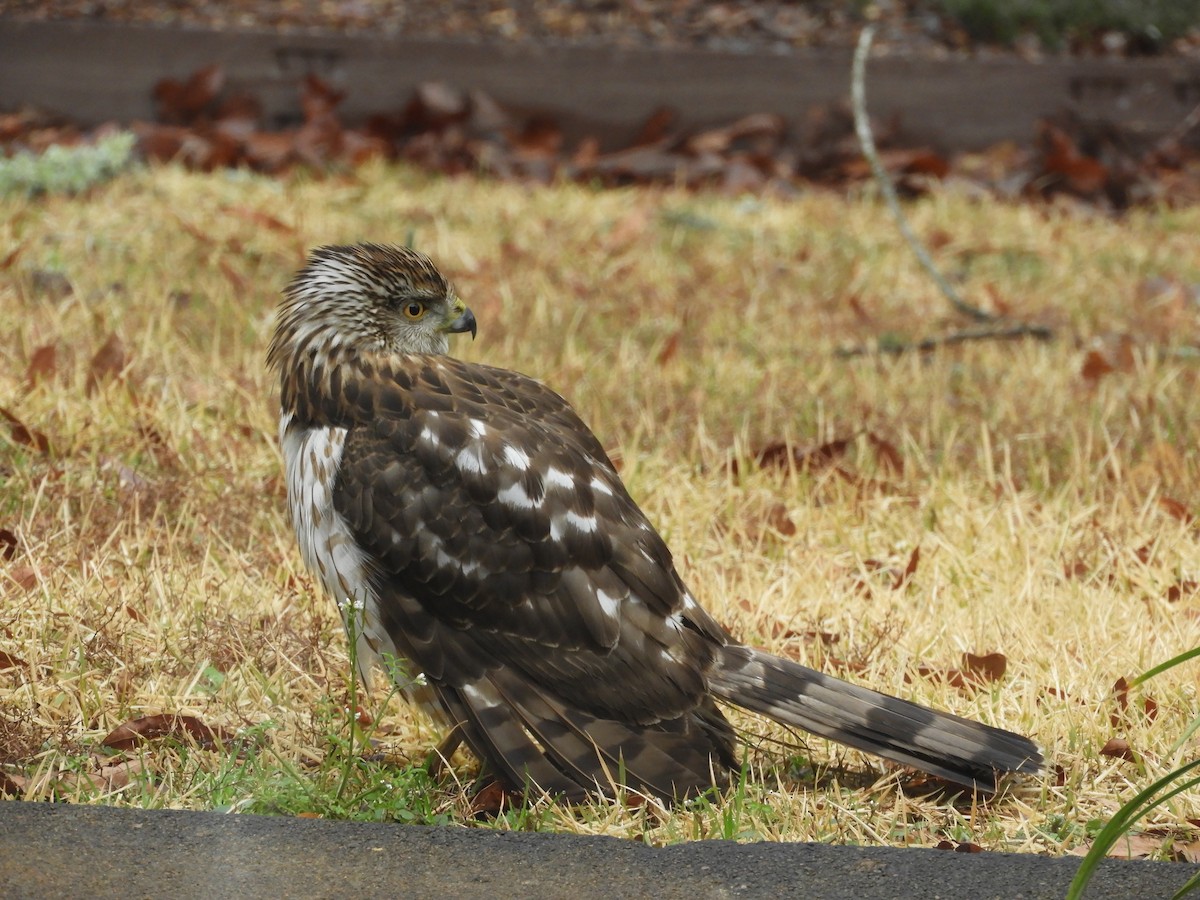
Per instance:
{"type": "Point", "coordinates": [153, 570]}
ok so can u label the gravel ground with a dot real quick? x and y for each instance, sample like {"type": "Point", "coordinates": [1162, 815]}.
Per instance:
{"type": "Point", "coordinates": [57, 850]}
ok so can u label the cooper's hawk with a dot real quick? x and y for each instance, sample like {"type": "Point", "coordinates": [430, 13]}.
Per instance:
{"type": "Point", "coordinates": [474, 531]}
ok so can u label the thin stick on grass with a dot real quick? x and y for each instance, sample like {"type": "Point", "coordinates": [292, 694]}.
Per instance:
{"type": "Point", "coordinates": [927, 345]}
{"type": "Point", "coordinates": [862, 127]}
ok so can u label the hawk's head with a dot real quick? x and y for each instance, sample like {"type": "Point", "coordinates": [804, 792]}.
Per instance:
{"type": "Point", "coordinates": [367, 297]}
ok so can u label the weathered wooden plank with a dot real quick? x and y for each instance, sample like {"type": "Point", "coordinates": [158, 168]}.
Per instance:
{"type": "Point", "coordinates": [93, 72]}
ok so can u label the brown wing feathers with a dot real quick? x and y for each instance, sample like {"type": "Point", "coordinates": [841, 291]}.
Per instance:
{"type": "Point", "coordinates": [543, 588]}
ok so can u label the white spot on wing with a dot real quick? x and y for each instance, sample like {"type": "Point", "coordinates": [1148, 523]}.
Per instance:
{"type": "Point", "coordinates": [610, 604]}
{"type": "Point", "coordinates": [515, 496]}
{"type": "Point", "coordinates": [470, 459]}
{"type": "Point", "coordinates": [476, 427]}
{"type": "Point", "coordinates": [478, 698]}
{"type": "Point", "coordinates": [516, 457]}
{"type": "Point", "coordinates": [559, 479]}
{"type": "Point", "coordinates": [586, 524]}
{"type": "Point", "coordinates": [600, 487]}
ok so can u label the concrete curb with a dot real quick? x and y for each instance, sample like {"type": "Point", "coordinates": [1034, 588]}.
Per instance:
{"type": "Point", "coordinates": [57, 850]}
{"type": "Point", "coordinates": [93, 72]}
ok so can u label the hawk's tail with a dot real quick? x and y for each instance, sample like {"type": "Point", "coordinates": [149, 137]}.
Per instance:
{"type": "Point", "coordinates": [948, 746]}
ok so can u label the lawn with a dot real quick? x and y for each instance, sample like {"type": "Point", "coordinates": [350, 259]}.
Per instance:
{"type": "Point", "coordinates": [1033, 500]}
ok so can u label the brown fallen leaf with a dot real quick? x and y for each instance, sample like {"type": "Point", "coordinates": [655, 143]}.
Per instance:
{"type": "Point", "coordinates": [1118, 748]}
{"type": "Point", "coordinates": [270, 151]}
{"type": "Point", "coordinates": [786, 456]}
{"type": "Point", "coordinates": [977, 670]}
{"type": "Point", "coordinates": [8, 544]}
{"type": "Point", "coordinates": [182, 102]}
{"type": "Point", "coordinates": [108, 362]}
{"type": "Point", "coordinates": [1078, 173]}
{"type": "Point", "coordinates": [260, 217]}
{"type": "Point", "coordinates": [1121, 695]}
{"type": "Point", "coordinates": [1108, 356]}
{"type": "Point", "coordinates": [319, 139]}
{"type": "Point", "coordinates": [13, 785]}
{"type": "Point", "coordinates": [7, 260]}
{"type": "Point", "coordinates": [886, 454]}
{"type": "Point", "coordinates": [490, 801]}
{"type": "Point", "coordinates": [109, 778]}
{"type": "Point", "coordinates": [1150, 705]}
{"type": "Point", "coordinates": [1175, 509]}
{"type": "Point", "coordinates": [233, 276]}
{"type": "Point", "coordinates": [656, 128]}
{"type": "Point", "coordinates": [986, 667]}
{"type": "Point", "coordinates": [670, 347]}
{"type": "Point", "coordinates": [1121, 692]}
{"type": "Point", "coordinates": [1076, 569]}
{"type": "Point", "coordinates": [778, 519]}
{"type": "Point", "coordinates": [121, 774]}
{"type": "Point", "coordinates": [1189, 852]}
{"type": "Point", "coordinates": [860, 311]}
{"type": "Point", "coordinates": [25, 577]}
{"type": "Point", "coordinates": [909, 570]}
{"type": "Point", "coordinates": [1095, 366]}
{"type": "Point", "coordinates": [540, 138]}
{"type": "Point", "coordinates": [137, 731]}
{"type": "Point", "coordinates": [24, 435]}
{"type": "Point", "coordinates": [1137, 845]}
{"type": "Point", "coordinates": [1184, 588]}
{"type": "Point", "coordinates": [42, 364]}
{"type": "Point", "coordinates": [8, 661]}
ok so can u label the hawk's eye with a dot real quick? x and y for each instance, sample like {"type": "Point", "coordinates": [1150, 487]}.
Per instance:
{"type": "Point", "coordinates": [414, 309]}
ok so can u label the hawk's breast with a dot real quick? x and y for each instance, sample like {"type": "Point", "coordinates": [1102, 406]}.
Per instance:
{"type": "Point", "coordinates": [312, 457]}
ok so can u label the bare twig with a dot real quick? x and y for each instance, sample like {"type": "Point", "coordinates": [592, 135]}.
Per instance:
{"type": "Point", "coordinates": [862, 127]}
{"type": "Point", "coordinates": [995, 327]}
{"type": "Point", "coordinates": [989, 333]}
{"type": "Point", "coordinates": [1180, 131]}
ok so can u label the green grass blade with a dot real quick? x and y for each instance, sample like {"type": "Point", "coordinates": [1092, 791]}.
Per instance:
{"type": "Point", "coordinates": [1188, 886]}
{"type": "Point", "coordinates": [1121, 822]}
{"type": "Point", "coordinates": [1183, 738]}
{"type": "Point", "coordinates": [1162, 667]}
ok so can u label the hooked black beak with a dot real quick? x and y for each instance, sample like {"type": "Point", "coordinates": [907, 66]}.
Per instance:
{"type": "Point", "coordinates": [464, 322]}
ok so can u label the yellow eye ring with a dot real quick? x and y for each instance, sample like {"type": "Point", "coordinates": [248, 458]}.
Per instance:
{"type": "Point", "coordinates": [414, 309]}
